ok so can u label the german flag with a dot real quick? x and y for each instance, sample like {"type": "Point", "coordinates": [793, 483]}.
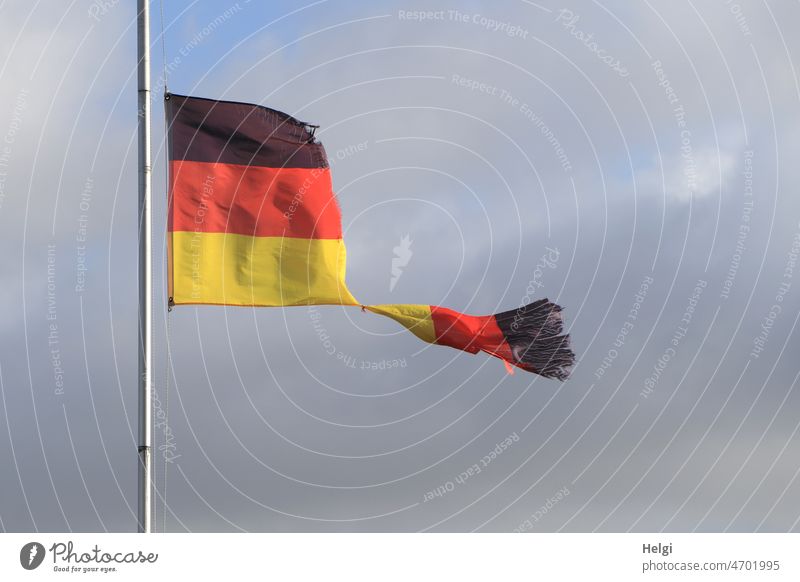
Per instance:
{"type": "Point", "coordinates": [253, 221]}
{"type": "Point", "coordinates": [252, 215]}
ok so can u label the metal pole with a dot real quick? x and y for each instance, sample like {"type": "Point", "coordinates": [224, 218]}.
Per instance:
{"type": "Point", "coordinates": [145, 273]}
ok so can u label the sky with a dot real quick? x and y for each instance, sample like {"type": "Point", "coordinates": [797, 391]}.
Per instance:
{"type": "Point", "coordinates": [634, 162]}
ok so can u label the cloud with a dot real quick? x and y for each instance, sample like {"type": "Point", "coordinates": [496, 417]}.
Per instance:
{"type": "Point", "coordinates": [680, 177]}
{"type": "Point", "coordinates": [465, 129]}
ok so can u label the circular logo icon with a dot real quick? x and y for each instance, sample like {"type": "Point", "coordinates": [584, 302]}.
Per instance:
{"type": "Point", "coordinates": [31, 555]}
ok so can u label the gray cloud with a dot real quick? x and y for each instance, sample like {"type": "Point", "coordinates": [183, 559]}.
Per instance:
{"type": "Point", "coordinates": [485, 148]}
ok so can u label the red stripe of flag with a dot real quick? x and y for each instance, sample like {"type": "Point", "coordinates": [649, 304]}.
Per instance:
{"type": "Point", "coordinates": [253, 201]}
{"type": "Point", "coordinates": [471, 333]}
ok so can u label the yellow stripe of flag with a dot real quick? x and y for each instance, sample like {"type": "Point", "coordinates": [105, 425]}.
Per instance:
{"type": "Point", "coordinates": [235, 269]}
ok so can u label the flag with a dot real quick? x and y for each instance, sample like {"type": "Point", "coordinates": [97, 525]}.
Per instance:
{"type": "Point", "coordinates": [253, 221]}
{"type": "Point", "coordinates": [252, 216]}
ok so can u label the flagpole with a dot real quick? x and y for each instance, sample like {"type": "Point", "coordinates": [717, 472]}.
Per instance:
{"type": "Point", "coordinates": [145, 359]}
